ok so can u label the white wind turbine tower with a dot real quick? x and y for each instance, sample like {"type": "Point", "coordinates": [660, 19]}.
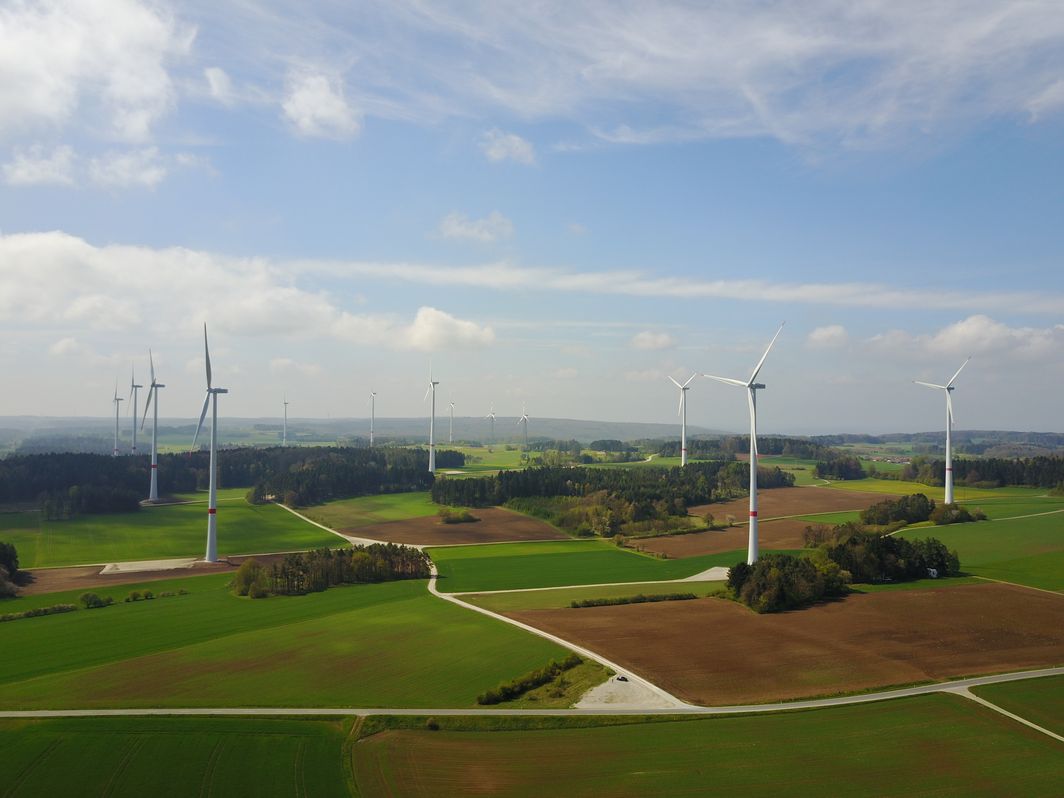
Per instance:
{"type": "Point", "coordinates": [153, 400]}
{"type": "Point", "coordinates": [133, 388]}
{"type": "Point", "coordinates": [116, 401]}
{"type": "Point", "coordinates": [491, 416]}
{"type": "Point", "coordinates": [752, 387]}
{"type": "Point", "coordinates": [372, 414]}
{"type": "Point", "coordinates": [524, 420]}
{"type": "Point", "coordinates": [682, 413]}
{"type": "Point", "coordinates": [450, 429]}
{"type": "Point", "coordinates": [432, 423]}
{"type": "Point", "coordinates": [284, 428]}
{"type": "Point", "coordinates": [948, 388]}
{"type": "Point", "coordinates": [212, 496]}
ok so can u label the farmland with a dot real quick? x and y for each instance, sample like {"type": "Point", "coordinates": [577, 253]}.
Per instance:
{"type": "Point", "coordinates": [347, 515]}
{"type": "Point", "coordinates": [390, 644]}
{"type": "Point", "coordinates": [559, 598]}
{"type": "Point", "coordinates": [511, 566]}
{"type": "Point", "coordinates": [711, 651]}
{"type": "Point", "coordinates": [173, 756]}
{"type": "Point", "coordinates": [1040, 701]}
{"type": "Point", "coordinates": [791, 753]}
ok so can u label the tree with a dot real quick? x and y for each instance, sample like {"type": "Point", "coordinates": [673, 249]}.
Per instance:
{"type": "Point", "coordinates": [9, 558]}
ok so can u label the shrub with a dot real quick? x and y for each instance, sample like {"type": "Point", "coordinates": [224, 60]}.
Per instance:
{"type": "Point", "coordinates": [9, 558]}
{"type": "Point", "coordinates": [37, 612]}
{"type": "Point", "coordinates": [7, 587]}
{"type": "Point", "coordinates": [639, 598]}
{"type": "Point", "coordinates": [432, 724]}
{"type": "Point", "coordinates": [258, 591]}
{"type": "Point", "coordinates": [955, 514]}
{"type": "Point", "coordinates": [530, 681]}
{"type": "Point", "coordinates": [250, 574]}
{"type": "Point", "coordinates": [450, 515]}
{"type": "Point", "coordinates": [91, 601]}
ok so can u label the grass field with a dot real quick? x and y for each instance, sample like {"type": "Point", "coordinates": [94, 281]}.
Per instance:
{"type": "Point", "coordinates": [933, 745]}
{"type": "Point", "coordinates": [173, 756]}
{"type": "Point", "coordinates": [390, 644]}
{"type": "Point", "coordinates": [1028, 551]}
{"type": "Point", "coordinates": [962, 494]}
{"type": "Point", "coordinates": [511, 566]}
{"type": "Point", "coordinates": [830, 519]}
{"type": "Point", "coordinates": [1040, 701]}
{"type": "Point", "coordinates": [481, 461]}
{"type": "Point", "coordinates": [368, 510]}
{"type": "Point", "coordinates": [561, 597]}
{"type": "Point", "coordinates": [178, 530]}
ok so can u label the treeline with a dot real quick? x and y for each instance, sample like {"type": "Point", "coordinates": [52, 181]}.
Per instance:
{"type": "Point", "coordinates": [839, 466]}
{"type": "Point", "coordinates": [315, 571]}
{"type": "Point", "coordinates": [698, 483]}
{"type": "Point", "coordinates": [59, 505]}
{"type": "Point", "coordinates": [1040, 472]}
{"type": "Point", "coordinates": [870, 557]}
{"type": "Point", "coordinates": [729, 446]}
{"type": "Point", "coordinates": [537, 678]}
{"type": "Point", "coordinates": [8, 569]}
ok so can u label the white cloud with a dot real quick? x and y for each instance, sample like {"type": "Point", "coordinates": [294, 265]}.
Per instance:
{"type": "Point", "coordinates": [315, 105]}
{"type": "Point", "coordinates": [829, 337]}
{"type": "Point", "coordinates": [491, 228]}
{"type": "Point", "coordinates": [434, 330]}
{"type": "Point", "coordinates": [33, 167]}
{"type": "Point", "coordinates": [500, 146]}
{"type": "Point", "coordinates": [577, 229]}
{"type": "Point", "coordinates": [648, 340]}
{"type": "Point", "coordinates": [105, 60]}
{"type": "Point", "coordinates": [219, 85]}
{"type": "Point", "coordinates": [127, 168]}
{"type": "Point", "coordinates": [285, 365]}
{"type": "Point", "coordinates": [566, 374]}
{"type": "Point", "coordinates": [978, 335]}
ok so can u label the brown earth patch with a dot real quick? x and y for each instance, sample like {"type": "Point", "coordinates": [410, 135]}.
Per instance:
{"type": "Point", "coordinates": [779, 502]}
{"type": "Point", "coordinates": [496, 525]}
{"type": "Point", "coordinates": [716, 652]}
{"type": "Point", "coordinates": [786, 533]}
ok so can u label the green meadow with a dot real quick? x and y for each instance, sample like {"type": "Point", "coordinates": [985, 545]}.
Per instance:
{"type": "Point", "coordinates": [1029, 551]}
{"type": "Point", "coordinates": [1040, 701]}
{"type": "Point", "coordinates": [509, 566]}
{"type": "Point", "coordinates": [940, 745]}
{"type": "Point", "coordinates": [363, 511]}
{"type": "Point", "coordinates": [962, 494]}
{"type": "Point", "coordinates": [137, 757]}
{"type": "Point", "coordinates": [175, 530]}
{"type": "Point", "coordinates": [390, 644]}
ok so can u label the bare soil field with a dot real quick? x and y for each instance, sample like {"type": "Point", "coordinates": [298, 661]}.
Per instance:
{"type": "Point", "coordinates": [778, 502]}
{"type": "Point", "coordinates": [496, 525]}
{"type": "Point", "coordinates": [716, 652]}
{"type": "Point", "coordinates": [786, 533]}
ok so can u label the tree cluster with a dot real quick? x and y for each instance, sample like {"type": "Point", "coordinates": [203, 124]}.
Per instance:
{"type": "Point", "coordinates": [319, 570]}
{"type": "Point", "coordinates": [839, 466]}
{"type": "Point", "coordinates": [530, 681]}
{"type": "Point", "coordinates": [779, 582]}
{"type": "Point", "coordinates": [1042, 472]}
{"type": "Point", "coordinates": [59, 505]}
{"type": "Point", "coordinates": [871, 557]}
{"type": "Point", "coordinates": [8, 569]}
{"type": "Point", "coordinates": [906, 509]}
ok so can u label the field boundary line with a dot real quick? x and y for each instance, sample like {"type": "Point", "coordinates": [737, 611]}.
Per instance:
{"type": "Point", "coordinates": [681, 580]}
{"type": "Point", "coordinates": [966, 693]}
{"type": "Point", "coordinates": [1056, 593]}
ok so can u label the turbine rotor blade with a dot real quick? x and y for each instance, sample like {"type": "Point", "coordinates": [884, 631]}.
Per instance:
{"type": "Point", "coordinates": [206, 357]}
{"type": "Point", "coordinates": [761, 362]}
{"type": "Point", "coordinates": [147, 404]}
{"type": "Point", "coordinates": [689, 380]}
{"type": "Point", "coordinates": [726, 380]}
{"type": "Point", "coordinates": [151, 364]}
{"type": "Point", "coordinates": [427, 392]}
{"type": "Point", "coordinates": [951, 379]}
{"type": "Point", "coordinates": [930, 385]}
{"type": "Point", "coordinates": [674, 382]}
{"type": "Point", "coordinates": [202, 415]}
{"type": "Point", "coordinates": [753, 424]}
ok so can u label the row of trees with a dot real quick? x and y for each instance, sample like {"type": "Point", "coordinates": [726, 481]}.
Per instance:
{"type": "Point", "coordinates": [62, 504]}
{"type": "Point", "coordinates": [992, 472]}
{"type": "Point", "coordinates": [318, 570]}
{"type": "Point", "coordinates": [729, 446]}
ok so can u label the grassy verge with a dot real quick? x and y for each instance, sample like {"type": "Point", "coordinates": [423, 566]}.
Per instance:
{"type": "Point", "coordinates": [563, 597]}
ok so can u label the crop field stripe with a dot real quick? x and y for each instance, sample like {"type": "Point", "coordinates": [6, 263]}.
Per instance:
{"type": "Point", "coordinates": [982, 701]}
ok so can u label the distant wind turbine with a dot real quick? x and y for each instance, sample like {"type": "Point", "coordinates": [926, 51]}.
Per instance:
{"type": "Point", "coordinates": [752, 386]}
{"type": "Point", "coordinates": [524, 420]}
{"type": "Point", "coordinates": [284, 428]}
{"type": "Point", "coordinates": [153, 400]}
{"type": "Point", "coordinates": [116, 401]}
{"type": "Point", "coordinates": [491, 416]}
{"type": "Point", "coordinates": [432, 422]}
{"type": "Point", "coordinates": [450, 429]}
{"type": "Point", "coordinates": [212, 497]}
{"type": "Point", "coordinates": [372, 413]}
{"type": "Point", "coordinates": [948, 388]}
{"type": "Point", "coordinates": [133, 388]}
{"type": "Point", "coordinates": [682, 413]}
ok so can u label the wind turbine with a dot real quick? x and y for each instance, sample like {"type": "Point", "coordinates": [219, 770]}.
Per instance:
{"type": "Point", "coordinates": [133, 388]}
{"type": "Point", "coordinates": [284, 429]}
{"type": "Point", "coordinates": [491, 415]}
{"type": "Point", "coordinates": [372, 413]}
{"type": "Point", "coordinates": [212, 496]}
{"type": "Point", "coordinates": [752, 386]}
{"type": "Point", "coordinates": [116, 400]}
{"type": "Point", "coordinates": [153, 400]}
{"type": "Point", "coordinates": [450, 429]}
{"type": "Point", "coordinates": [432, 423]}
{"type": "Point", "coordinates": [682, 413]}
{"type": "Point", "coordinates": [948, 388]}
{"type": "Point", "coordinates": [524, 420]}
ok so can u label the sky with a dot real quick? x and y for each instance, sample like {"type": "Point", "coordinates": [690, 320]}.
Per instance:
{"type": "Point", "coordinates": [551, 205]}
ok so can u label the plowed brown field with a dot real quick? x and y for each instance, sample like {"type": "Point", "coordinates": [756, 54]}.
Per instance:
{"type": "Point", "coordinates": [785, 533]}
{"type": "Point", "coordinates": [779, 502]}
{"type": "Point", "coordinates": [716, 652]}
{"type": "Point", "coordinates": [496, 525]}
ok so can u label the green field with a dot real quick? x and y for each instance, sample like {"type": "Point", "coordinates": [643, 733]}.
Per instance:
{"type": "Point", "coordinates": [510, 566]}
{"type": "Point", "coordinates": [1029, 551]}
{"type": "Point", "coordinates": [938, 745]}
{"type": "Point", "coordinates": [1040, 701]}
{"type": "Point", "coordinates": [391, 644]}
{"type": "Point", "coordinates": [172, 756]}
{"type": "Point", "coordinates": [830, 519]}
{"type": "Point", "coordinates": [481, 461]}
{"type": "Point", "coordinates": [962, 494]}
{"type": "Point", "coordinates": [368, 510]}
{"type": "Point", "coordinates": [176, 530]}
{"type": "Point", "coordinates": [561, 597]}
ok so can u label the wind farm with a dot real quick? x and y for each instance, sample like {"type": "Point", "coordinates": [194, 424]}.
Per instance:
{"type": "Point", "coordinates": [660, 542]}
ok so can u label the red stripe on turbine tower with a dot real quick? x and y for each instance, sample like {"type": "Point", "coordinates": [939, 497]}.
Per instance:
{"type": "Point", "coordinates": [753, 513]}
{"type": "Point", "coordinates": [211, 511]}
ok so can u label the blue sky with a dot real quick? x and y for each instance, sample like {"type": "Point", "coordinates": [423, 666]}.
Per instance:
{"type": "Point", "coordinates": [558, 206]}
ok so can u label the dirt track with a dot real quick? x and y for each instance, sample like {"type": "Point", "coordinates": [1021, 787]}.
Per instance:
{"type": "Point", "coordinates": [712, 651]}
{"type": "Point", "coordinates": [496, 525]}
